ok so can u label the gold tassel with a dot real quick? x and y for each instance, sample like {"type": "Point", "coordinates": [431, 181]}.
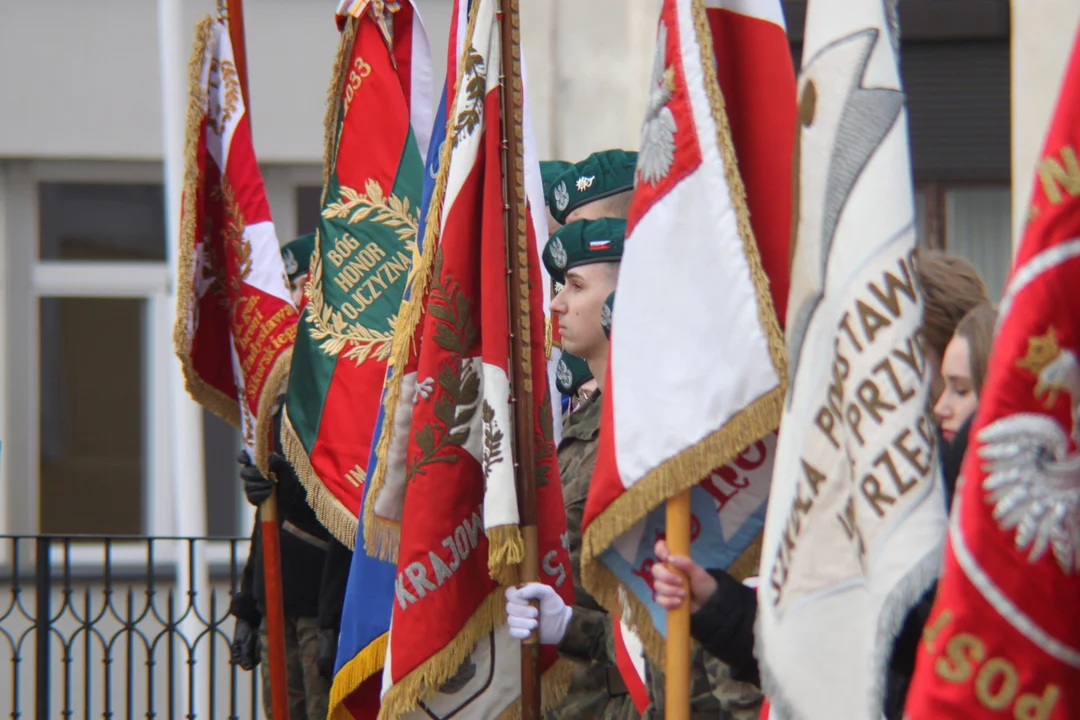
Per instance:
{"type": "Point", "coordinates": [352, 674]}
{"type": "Point", "coordinates": [334, 516]}
{"type": "Point", "coordinates": [276, 381]}
{"type": "Point", "coordinates": [506, 550]}
{"type": "Point", "coordinates": [202, 392]}
{"type": "Point", "coordinates": [382, 535]}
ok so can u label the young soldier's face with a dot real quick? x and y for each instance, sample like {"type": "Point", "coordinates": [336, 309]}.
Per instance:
{"type": "Point", "coordinates": [296, 287]}
{"type": "Point", "coordinates": [578, 305]}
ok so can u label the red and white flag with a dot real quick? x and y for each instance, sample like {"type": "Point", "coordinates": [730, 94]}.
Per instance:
{"type": "Point", "coordinates": [697, 360]}
{"type": "Point", "coordinates": [1003, 638]}
{"type": "Point", "coordinates": [450, 486]}
{"type": "Point", "coordinates": [236, 324]}
{"type": "Point", "coordinates": [856, 512]}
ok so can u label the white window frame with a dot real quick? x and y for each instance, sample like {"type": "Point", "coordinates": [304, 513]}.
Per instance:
{"type": "Point", "coordinates": [31, 279]}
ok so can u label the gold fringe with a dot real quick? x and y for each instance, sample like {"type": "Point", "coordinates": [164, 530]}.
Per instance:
{"type": "Point", "coordinates": [202, 392]}
{"type": "Point", "coordinates": [748, 562]}
{"type": "Point", "coordinates": [384, 540]}
{"type": "Point", "coordinates": [405, 695]}
{"type": "Point", "coordinates": [766, 312]}
{"type": "Point", "coordinates": [506, 550]}
{"type": "Point", "coordinates": [352, 674]}
{"type": "Point", "coordinates": [381, 535]}
{"type": "Point", "coordinates": [333, 101]}
{"type": "Point", "coordinates": [424, 681]}
{"type": "Point", "coordinates": [276, 380]}
{"type": "Point", "coordinates": [673, 476]}
{"type": "Point", "coordinates": [334, 516]}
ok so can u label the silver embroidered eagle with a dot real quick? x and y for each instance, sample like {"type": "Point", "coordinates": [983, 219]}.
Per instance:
{"type": "Point", "coordinates": [1034, 484]}
{"type": "Point", "coordinates": [658, 131]}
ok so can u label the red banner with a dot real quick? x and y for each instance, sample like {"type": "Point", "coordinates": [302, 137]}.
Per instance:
{"type": "Point", "coordinates": [1003, 640]}
{"type": "Point", "coordinates": [236, 324]}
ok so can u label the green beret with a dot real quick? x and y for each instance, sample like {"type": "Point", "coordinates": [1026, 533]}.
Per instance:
{"type": "Point", "coordinates": [571, 373]}
{"type": "Point", "coordinates": [600, 175]}
{"type": "Point", "coordinates": [549, 171]}
{"type": "Point", "coordinates": [297, 256]}
{"type": "Point", "coordinates": [583, 242]}
{"type": "Point", "coordinates": [605, 315]}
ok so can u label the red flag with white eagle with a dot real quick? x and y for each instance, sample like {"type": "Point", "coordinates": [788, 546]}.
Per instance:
{"type": "Point", "coordinates": [459, 542]}
{"type": "Point", "coordinates": [236, 324]}
{"type": "Point", "coordinates": [697, 361]}
{"type": "Point", "coordinates": [1003, 638]}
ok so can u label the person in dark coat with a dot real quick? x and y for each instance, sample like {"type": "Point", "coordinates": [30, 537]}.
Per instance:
{"type": "Point", "coordinates": [304, 543]}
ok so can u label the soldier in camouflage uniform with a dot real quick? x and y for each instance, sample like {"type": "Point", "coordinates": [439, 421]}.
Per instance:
{"type": "Point", "coordinates": [597, 690]}
{"type": "Point", "coordinates": [575, 381]}
{"type": "Point", "coordinates": [584, 632]}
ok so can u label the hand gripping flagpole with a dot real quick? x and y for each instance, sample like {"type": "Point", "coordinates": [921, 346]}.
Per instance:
{"type": "Point", "coordinates": [517, 254]}
{"type": "Point", "coordinates": [677, 666]}
{"type": "Point", "coordinates": [232, 11]}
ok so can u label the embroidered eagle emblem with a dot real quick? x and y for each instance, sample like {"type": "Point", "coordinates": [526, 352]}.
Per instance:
{"type": "Point", "coordinates": [563, 374]}
{"type": "Point", "coordinates": [1033, 481]}
{"type": "Point", "coordinates": [291, 266]}
{"type": "Point", "coordinates": [562, 196]}
{"type": "Point", "coordinates": [658, 132]}
{"type": "Point", "coordinates": [558, 253]}
{"type": "Point", "coordinates": [605, 319]}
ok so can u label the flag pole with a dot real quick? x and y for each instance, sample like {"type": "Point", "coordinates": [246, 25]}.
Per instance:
{"type": "Point", "coordinates": [232, 11]}
{"type": "Point", "coordinates": [677, 670]}
{"type": "Point", "coordinates": [517, 254]}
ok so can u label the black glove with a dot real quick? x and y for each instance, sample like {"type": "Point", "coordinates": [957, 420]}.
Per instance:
{"type": "Point", "coordinates": [257, 487]}
{"type": "Point", "coordinates": [283, 472]}
{"type": "Point", "coordinates": [327, 653]}
{"type": "Point", "coordinates": [245, 645]}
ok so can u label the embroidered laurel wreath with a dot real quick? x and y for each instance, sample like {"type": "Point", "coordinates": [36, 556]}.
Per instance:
{"type": "Point", "coordinates": [328, 325]}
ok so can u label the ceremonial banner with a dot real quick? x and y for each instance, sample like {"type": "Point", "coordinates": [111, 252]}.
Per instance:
{"type": "Point", "coordinates": [235, 324]}
{"type": "Point", "coordinates": [449, 649]}
{"type": "Point", "coordinates": [1002, 639]}
{"type": "Point", "coordinates": [856, 513]}
{"type": "Point", "coordinates": [387, 467]}
{"type": "Point", "coordinates": [363, 255]}
{"type": "Point", "coordinates": [369, 596]}
{"type": "Point", "coordinates": [697, 361]}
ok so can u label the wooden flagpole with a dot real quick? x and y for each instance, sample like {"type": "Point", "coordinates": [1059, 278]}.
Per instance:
{"type": "Point", "coordinates": [233, 13]}
{"type": "Point", "coordinates": [677, 669]}
{"type": "Point", "coordinates": [517, 254]}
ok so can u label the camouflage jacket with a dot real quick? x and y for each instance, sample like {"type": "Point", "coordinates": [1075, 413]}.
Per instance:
{"type": "Point", "coordinates": [589, 637]}
{"type": "Point", "coordinates": [596, 690]}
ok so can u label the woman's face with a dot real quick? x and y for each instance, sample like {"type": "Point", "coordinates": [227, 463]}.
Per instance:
{"type": "Point", "coordinates": [958, 399]}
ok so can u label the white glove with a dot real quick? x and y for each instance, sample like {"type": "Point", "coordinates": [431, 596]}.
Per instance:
{"type": "Point", "coordinates": [521, 616]}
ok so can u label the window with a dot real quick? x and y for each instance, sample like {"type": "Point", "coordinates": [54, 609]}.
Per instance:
{"type": "Point", "coordinates": [92, 403]}
{"type": "Point", "coordinates": [973, 221]}
{"type": "Point", "coordinates": [103, 323]}
{"type": "Point", "coordinates": [104, 222]}
{"type": "Point", "coordinates": [308, 205]}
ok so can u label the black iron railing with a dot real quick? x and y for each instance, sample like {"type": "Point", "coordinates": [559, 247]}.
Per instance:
{"type": "Point", "coordinates": [121, 627]}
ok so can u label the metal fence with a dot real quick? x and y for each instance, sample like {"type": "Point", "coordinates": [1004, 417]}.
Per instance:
{"type": "Point", "coordinates": [121, 627]}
